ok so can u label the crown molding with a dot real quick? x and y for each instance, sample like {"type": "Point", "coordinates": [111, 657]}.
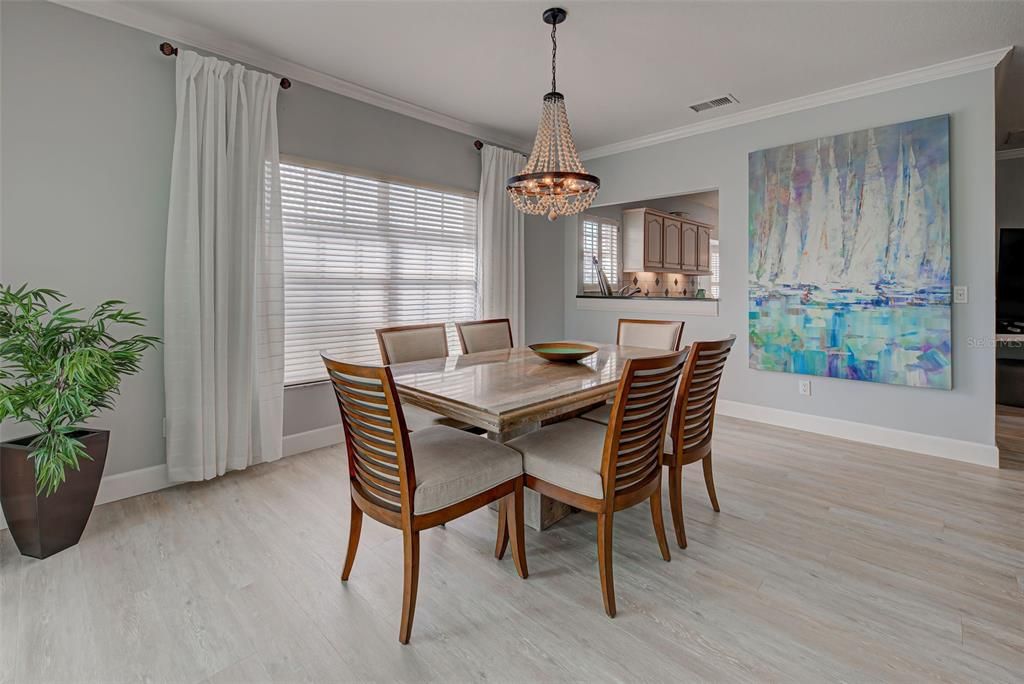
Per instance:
{"type": "Point", "coordinates": [955, 67]}
{"type": "Point", "coordinates": [202, 38]}
{"type": "Point", "coordinates": [1016, 153]}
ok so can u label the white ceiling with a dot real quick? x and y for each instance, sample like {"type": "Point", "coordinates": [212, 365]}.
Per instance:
{"type": "Point", "coordinates": [627, 69]}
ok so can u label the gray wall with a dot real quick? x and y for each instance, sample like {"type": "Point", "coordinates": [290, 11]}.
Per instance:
{"type": "Point", "coordinates": [87, 126]}
{"type": "Point", "coordinates": [545, 256]}
{"type": "Point", "coordinates": [719, 160]}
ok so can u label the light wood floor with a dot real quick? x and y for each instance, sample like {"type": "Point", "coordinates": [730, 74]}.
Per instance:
{"type": "Point", "coordinates": [830, 560]}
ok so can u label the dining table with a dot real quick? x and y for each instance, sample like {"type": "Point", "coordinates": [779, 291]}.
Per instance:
{"type": "Point", "coordinates": [510, 392]}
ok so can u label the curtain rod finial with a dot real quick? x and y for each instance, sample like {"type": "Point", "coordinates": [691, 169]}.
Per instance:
{"type": "Point", "coordinates": [478, 145]}
{"type": "Point", "coordinates": [168, 49]}
{"type": "Point", "coordinates": [285, 84]}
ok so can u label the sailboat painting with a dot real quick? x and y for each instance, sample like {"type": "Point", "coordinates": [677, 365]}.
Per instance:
{"type": "Point", "coordinates": [849, 256]}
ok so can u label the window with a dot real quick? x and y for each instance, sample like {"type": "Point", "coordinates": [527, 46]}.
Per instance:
{"type": "Point", "coordinates": [714, 269]}
{"type": "Point", "coordinates": [362, 253]}
{"type": "Point", "coordinates": [599, 237]}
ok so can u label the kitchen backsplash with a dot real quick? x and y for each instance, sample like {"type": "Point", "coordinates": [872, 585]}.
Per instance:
{"type": "Point", "coordinates": [668, 284]}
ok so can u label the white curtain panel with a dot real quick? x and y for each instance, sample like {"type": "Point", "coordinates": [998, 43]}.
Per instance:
{"type": "Point", "coordinates": [223, 280]}
{"type": "Point", "coordinates": [500, 242]}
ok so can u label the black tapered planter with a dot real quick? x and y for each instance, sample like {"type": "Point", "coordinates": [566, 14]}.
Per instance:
{"type": "Point", "coordinates": [43, 525]}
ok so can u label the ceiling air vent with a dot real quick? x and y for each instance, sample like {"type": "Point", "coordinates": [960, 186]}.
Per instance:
{"type": "Point", "coordinates": [712, 104]}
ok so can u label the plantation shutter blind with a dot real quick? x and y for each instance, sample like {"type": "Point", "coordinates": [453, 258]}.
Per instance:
{"type": "Point", "coordinates": [363, 253]}
{"type": "Point", "coordinates": [715, 274]}
{"type": "Point", "coordinates": [610, 251]}
{"type": "Point", "coordinates": [599, 238]}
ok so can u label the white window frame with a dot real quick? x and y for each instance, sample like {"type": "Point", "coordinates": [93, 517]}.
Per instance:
{"type": "Point", "coordinates": [716, 266]}
{"type": "Point", "coordinates": [615, 279]}
{"type": "Point", "coordinates": [303, 376]}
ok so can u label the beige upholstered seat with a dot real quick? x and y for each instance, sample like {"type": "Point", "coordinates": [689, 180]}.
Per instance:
{"type": "Point", "coordinates": [452, 466]}
{"type": "Point", "coordinates": [654, 334]}
{"type": "Point", "coordinates": [416, 343]}
{"type": "Point", "coordinates": [478, 336]}
{"type": "Point", "coordinates": [567, 454]}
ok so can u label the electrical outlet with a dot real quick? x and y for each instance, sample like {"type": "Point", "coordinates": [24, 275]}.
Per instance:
{"type": "Point", "coordinates": [805, 388]}
{"type": "Point", "coordinates": [960, 294]}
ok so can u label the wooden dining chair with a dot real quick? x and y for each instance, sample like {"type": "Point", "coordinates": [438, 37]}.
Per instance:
{"type": "Point", "coordinates": [404, 343]}
{"type": "Point", "coordinates": [605, 470]}
{"type": "Point", "coordinates": [488, 335]}
{"type": "Point", "coordinates": [639, 332]}
{"type": "Point", "coordinates": [415, 481]}
{"type": "Point", "coordinates": [693, 423]}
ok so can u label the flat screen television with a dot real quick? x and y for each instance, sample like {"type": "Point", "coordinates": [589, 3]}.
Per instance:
{"type": "Point", "coordinates": [1010, 278]}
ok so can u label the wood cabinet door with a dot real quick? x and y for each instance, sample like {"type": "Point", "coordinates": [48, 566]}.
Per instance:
{"type": "Point", "coordinates": [672, 244]}
{"type": "Point", "coordinates": [703, 248]}
{"type": "Point", "coordinates": [689, 251]}
{"type": "Point", "coordinates": [653, 242]}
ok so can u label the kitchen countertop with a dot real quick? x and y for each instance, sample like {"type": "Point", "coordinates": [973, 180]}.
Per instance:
{"type": "Point", "coordinates": [660, 298]}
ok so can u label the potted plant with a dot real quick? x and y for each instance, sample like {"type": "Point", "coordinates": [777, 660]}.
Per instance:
{"type": "Point", "coordinates": [57, 369]}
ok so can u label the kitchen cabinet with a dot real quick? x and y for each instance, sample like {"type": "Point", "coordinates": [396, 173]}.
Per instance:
{"type": "Point", "coordinates": [653, 240]}
{"type": "Point", "coordinates": [704, 248]}
{"type": "Point", "coordinates": [654, 243]}
{"type": "Point", "coordinates": [672, 236]}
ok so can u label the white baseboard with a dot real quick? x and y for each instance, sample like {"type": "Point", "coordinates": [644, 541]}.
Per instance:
{"type": "Point", "coordinates": [145, 480]}
{"type": "Point", "coordinates": [126, 485]}
{"type": "Point", "coordinates": [313, 439]}
{"type": "Point", "coordinates": [943, 447]}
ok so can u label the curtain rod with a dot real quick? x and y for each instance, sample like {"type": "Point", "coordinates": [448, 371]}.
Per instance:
{"type": "Point", "coordinates": [168, 50]}
{"type": "Point", "coordinates": [479, 144]}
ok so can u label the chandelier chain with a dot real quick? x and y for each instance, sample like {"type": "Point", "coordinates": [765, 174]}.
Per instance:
{"type": "Point", "coordinates": [554, 49]}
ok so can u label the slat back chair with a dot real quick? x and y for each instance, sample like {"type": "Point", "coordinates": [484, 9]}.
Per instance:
{"type": "Point", "coordinates": [693, 423]}
{"type": "Point", "coordinates": [382, 474]}
{"type": "Point", "coordinates": [412, 342]}
{"type": "Point", "coordinates": [487, 335]}
{"type": "Point", "coordinates": [630, 460]}
{"type": "Point", "coordinates": [380, 468]}
{"type": "Point", "coordinates": [639, 332]}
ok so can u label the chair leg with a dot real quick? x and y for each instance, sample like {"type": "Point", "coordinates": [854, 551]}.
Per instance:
{"type": "Point", "coordinates": [659, 524]}
{"type": "Point", "coordinates": [604, 561]}
{"type": "Point", "coordinates": [354, 528]}
{"type": "Point", "coordinates": [675, 500]}
{"type": "Point", "coordinates": [410, 584]}
{"type": "Point", "coordinates": [516, 530]}
{"type": "Point", "coordinates": [501, 543]}
{"type": "Point", "coordinates": [709, 480]}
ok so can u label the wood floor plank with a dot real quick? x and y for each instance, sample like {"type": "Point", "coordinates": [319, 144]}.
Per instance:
{"type": "Point", "coordinates": [830, 561]}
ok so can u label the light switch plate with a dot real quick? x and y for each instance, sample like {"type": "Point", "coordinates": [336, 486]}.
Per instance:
{"type": "Point", "coordinates": [805, 387]}
{"type": "Point", "coordinates": [960, 294]}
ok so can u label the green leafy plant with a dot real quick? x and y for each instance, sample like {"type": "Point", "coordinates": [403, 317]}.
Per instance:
{"type": "Point", "coordinates": [58, 368]}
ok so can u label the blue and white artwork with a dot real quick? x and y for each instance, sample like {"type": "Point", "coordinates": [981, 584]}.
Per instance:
{"type": "Point", "coordinates": [849, 255]}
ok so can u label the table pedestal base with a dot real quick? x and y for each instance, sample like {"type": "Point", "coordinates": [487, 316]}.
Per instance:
{"type": "Point", "coordinates": [540, 512]}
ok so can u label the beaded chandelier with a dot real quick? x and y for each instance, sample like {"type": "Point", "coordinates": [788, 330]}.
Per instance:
{"type": "Point", "coordinates": [553, 182]}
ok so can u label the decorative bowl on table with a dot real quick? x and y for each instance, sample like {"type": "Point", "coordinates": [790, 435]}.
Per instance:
{"type": "Point", "coordinates": [563, 352]}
